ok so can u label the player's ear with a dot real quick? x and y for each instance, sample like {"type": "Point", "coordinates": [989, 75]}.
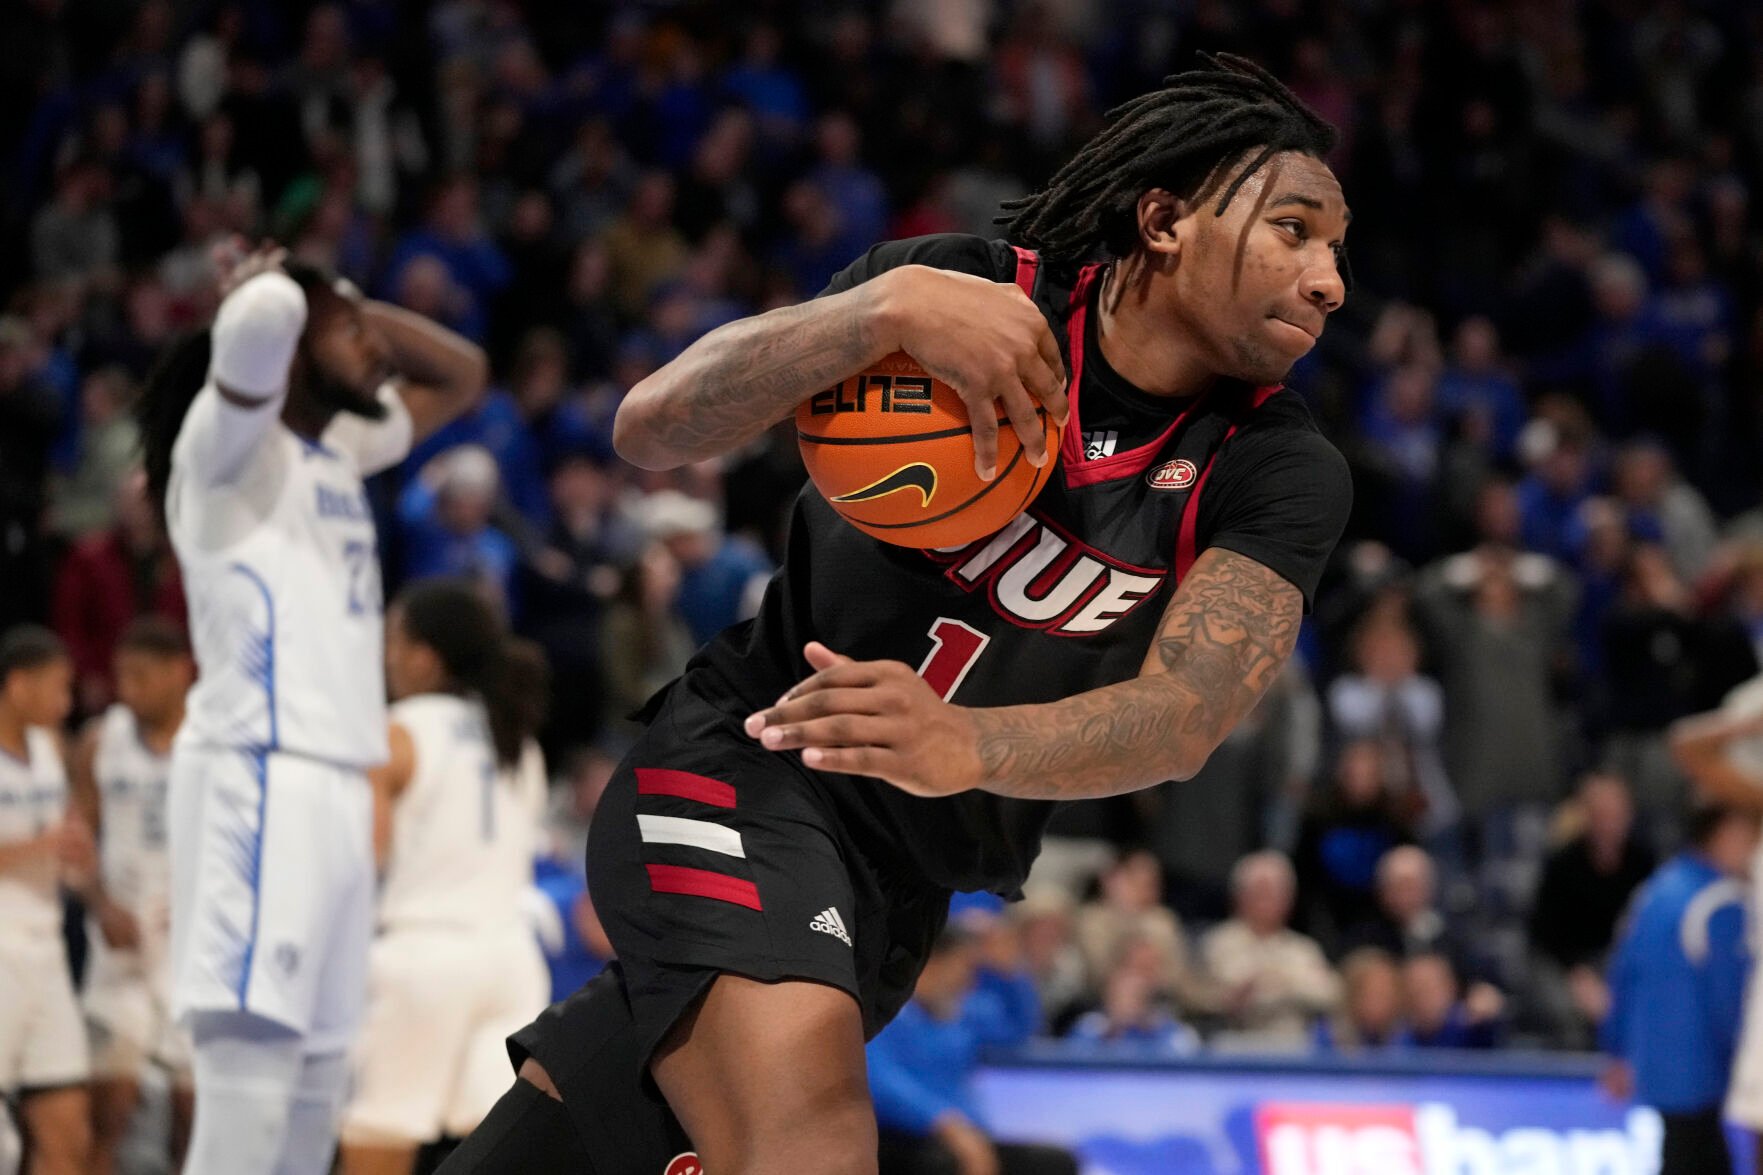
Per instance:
{"type": "Point", "coordinates": [1159, 212]}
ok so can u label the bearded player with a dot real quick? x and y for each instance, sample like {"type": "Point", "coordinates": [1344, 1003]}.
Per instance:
{"type": "Point", "coordinates": [773, 859]}
{"type": "Point", "coordinates": [257, 436]}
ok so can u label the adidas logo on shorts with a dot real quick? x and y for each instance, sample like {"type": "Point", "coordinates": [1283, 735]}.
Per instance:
{"type": "Point", "coordinates": [829, 922]}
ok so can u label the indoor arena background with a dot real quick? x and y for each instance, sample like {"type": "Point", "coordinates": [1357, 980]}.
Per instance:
{"type": "Point", "coordinates": [1546, 381]}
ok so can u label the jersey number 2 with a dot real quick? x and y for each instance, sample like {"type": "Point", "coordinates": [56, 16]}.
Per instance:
{"type": "Point", "coordinates": [364, 588]}
{"type": "Point", "coordinates": [954, 647]}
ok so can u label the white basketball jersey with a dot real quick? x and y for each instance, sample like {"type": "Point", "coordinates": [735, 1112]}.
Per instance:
{"type": "Point", "coordinates": [33, 795]}
{"type": "Point", "coordinates": [281, 569]}
{"type": "Point", "coordinates": [464, 831]}
{"type": "Point", "coordinates": [131, 779]}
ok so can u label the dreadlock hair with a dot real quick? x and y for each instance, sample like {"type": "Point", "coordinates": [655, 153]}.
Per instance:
{"type": "Point", "coordinates": [179, 373]}
{"type": "Point", "coordinates": [164, 401]}
{"type": "Point", "coordinates": [1177, 137]}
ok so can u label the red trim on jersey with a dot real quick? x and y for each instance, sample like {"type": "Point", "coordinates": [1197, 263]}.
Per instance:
{"type": "Point", "coordinates": [1077, 471]}
{"type": "Point", "coordinates": [1071, 444]}
{"type": "Point", "coordinates": [1028, 263]}
{"type": "Point", "coordinates": [1185, 554]}
{"type": "Point", "coordinates": [659, 781]}
{"type": "Point", "coordinates": [1190, 518]}
{"type": "Point", "coordinates": [1128, 464]}
{"type": "Point", "coordinates": [703, 883]}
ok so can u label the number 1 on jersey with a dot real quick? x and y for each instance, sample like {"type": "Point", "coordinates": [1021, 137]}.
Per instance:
{"type": "Point", "coordinates": [954, 648]}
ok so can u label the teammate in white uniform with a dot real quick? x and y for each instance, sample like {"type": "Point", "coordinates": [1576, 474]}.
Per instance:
{"type": "Point", "coordinates": [1722, 753]}
{"type": "Point", "coordinates": [456, 967]}
{"type": "Point", "coordinates": [42, 1041]}
{"type": "Point", "coordinates": [257, 440]}
{"type": "Point", "coordinates": [118, 775]}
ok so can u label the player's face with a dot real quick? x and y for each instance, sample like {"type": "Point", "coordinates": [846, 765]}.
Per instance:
{"type": "Point", "coordinates": [42, 695]}
{"type": "Point", "coordinates": [411, 666]}
{"type": "Point", "coordinates": [348, 359]}
{"type": "Point", "coordinates": [1258, 283]}
{"type": "Point", "coordinates": [152, 685]}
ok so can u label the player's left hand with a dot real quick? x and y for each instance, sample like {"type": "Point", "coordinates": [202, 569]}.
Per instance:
{"type": "Point", "coordinates": [874, 718]}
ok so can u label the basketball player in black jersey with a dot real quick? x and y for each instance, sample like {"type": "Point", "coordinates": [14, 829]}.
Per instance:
{"type": "Point", "coordinates": [774, 858]}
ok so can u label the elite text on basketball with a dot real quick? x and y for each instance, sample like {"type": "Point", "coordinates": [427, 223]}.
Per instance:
{"type": "Point", "coordinates": [896, 393]}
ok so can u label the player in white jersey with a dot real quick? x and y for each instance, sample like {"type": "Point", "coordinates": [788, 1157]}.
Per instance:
{"type": "Point", "coordinates": [1722, 753]}
{"type": "Point", "coordinates": [257, 438]}
{"type": "Point", "coordinates": [42, 1041]}
{"type": "Point", "coordinates": [118, 776]}
{"type": "Point", "coordinates": [456, 967]}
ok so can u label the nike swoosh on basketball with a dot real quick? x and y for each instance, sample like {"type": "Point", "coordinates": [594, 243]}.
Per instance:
{"type": "Point", "coordinates": [916, 476]}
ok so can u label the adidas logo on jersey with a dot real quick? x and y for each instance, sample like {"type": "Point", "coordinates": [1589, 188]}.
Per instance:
{"type": "Point", "coordinates": [829, 922]}
{"type": "Point", "coordinates": [1098, 445]}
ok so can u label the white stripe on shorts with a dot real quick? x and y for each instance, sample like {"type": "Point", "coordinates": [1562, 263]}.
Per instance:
{"type": "Point", "coordinates": [700, 834]}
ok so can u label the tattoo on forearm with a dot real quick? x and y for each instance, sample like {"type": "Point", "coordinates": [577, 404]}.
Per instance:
{"type": "Point", "coordinates": [736, 381]}
{"type": "Point", "coordinates": [1222, 642]}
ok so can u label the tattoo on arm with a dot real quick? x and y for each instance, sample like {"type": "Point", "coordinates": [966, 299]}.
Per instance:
{"type": "Point", "coordinates": [1223, 640]}
{"type": "Point", "coordinates": [737, 381]}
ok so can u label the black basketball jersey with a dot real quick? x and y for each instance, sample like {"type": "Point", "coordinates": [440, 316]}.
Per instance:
{"type": "Point", "coordinates": [1065, 598]}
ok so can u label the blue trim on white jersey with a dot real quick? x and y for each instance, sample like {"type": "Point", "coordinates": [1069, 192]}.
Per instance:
{"type": "Point", "coordinates": [260, 767]}
{"type": "Point", "coordinates": [261, 663]}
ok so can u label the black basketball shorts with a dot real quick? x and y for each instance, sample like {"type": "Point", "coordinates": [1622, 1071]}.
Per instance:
{"type": "Point", "coordinates": [711, 854]}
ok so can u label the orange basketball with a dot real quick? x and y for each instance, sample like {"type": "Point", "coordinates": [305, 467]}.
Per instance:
{"type": "Point", "coordinates": [892, 450]}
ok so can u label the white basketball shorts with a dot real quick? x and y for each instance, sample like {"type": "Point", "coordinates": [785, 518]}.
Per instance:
{"type": "Point", "coordinates": [272, 889]}
{"type": "Point", "coordinates": [432, 1057]}
{"type": "Point", "coordinates": [42, 1037]}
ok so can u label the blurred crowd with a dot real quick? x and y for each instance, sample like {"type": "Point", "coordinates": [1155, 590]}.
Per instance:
{"type": "Point", "coordinates": [1546, 380]}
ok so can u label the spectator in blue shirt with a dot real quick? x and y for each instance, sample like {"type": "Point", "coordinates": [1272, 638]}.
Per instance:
{"type": "Point", "coordinates": [444, 522]}
{"type": "Point", "coordinates": [855, 190]}
{"type": "Point", "coordinates": [576, 948]}
{"type": "Point", "coordinates": [1559, 483]}
{"type": "Point", "coordinates": [768, 88]}
{"type": "Point", "coordinates": [722, 576]}
{"type": "Point", "coordinates": [1133, 1020]}
{"type": "Point", "coordinates": [1677, 986]}
{"type": "Point", "coordinates": [455, 236]}
{"type": "Point", "coordinates": [1437, 1017]}
{"type": "Point", "coordinates": [1478, 382]}
{"type": "Point", "coordinates": [921, 1066]}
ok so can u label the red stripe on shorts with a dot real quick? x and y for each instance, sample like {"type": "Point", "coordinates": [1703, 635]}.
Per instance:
{"type": "Point", "coordinates": [704, 884]}
{"type": "Point", "coordinates": [660, 781]}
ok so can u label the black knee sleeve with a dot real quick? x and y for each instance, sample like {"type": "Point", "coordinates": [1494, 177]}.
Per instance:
{"type": "Point", "coordinates": [618, 1123]}
{"type": "Point", "coordinates": [527, 1132]}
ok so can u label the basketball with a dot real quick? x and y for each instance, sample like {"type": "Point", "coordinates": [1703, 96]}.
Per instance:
{"type": "Point", "coordinates": [891, 448]}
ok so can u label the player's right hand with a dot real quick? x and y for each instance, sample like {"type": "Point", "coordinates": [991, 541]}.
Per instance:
{"type": "Point", "coordinates": [990, 343]}
{"type": "Point", "coordinates": [234, 265]}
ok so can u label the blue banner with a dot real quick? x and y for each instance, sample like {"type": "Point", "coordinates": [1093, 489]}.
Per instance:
{"type": "Point", "coordinates": [1431, 1115]}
